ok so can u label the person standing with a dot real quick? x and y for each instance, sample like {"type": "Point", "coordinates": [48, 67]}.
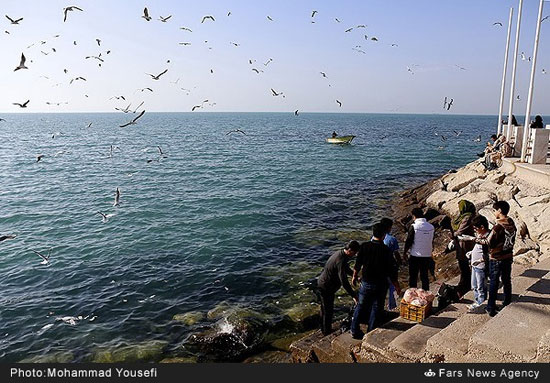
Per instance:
{"type": "Point", "coordinates": [479, 258]}
{"type": "Point", "coordinates": [335, 275]}
{"type": "Point", "coordinates": [375, 263]}
{"type": "Point", "coordinates": [420, 244]}
{"type": "Point", "coordinates": [462, 225]}
{"type": "Point", "coordinates": [501, 241]}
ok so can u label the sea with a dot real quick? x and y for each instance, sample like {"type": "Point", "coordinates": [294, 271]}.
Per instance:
{"type": "Point", "coordinates": [220, 220]}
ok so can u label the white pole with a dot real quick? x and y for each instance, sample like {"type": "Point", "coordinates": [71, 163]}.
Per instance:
{"type": "Point", "coordinates": [513, 85]}
{"type": "Point", "coordinates": [503, 86]}
{"type": "Point", "coordinates": [527, 130]}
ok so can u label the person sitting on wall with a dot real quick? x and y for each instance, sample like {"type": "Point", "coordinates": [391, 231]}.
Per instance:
{"type": "Point", "coordinates": [537, 124]}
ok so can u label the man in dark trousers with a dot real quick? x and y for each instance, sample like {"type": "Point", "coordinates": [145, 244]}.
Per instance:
{"type": "Point", "coordinates": [376, 264]}
{"type": "Point", "coordinates": [420, 243]}
{"type": "Point", "coordinates": [335, 275]}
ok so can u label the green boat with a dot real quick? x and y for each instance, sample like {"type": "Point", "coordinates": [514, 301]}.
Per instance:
{"type": "Point", "coordinates": [340, 140]}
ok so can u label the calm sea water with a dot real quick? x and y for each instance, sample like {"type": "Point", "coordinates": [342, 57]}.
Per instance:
{"type": "Point", "coordinates": [195, 228]}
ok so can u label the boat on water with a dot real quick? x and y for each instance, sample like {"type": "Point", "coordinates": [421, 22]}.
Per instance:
{"type": "Point", "coordinates": [340, 140]}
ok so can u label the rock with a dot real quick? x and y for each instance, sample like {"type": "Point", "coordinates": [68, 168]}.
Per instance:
{"type": "Point", "coordinates": [441, 221]}
{"type": "Point", "coordinates": [497, 178]}
{"type": "Point", "coordinates": [141, 352]}
{"type": "Point", "coordinates": [306, 314]}
{"type": "Point", "coordinates": [522, 246]}
{"type": "Point", "coordinates": [439, 198]}
{"type": "Point", "coordinates": [270, 357]}
{"type": "Point", "coordinates": [528, 258]}
{"type": "Point", "coordinates": [462, 179]}
{"type": "Point", "coordinates": [55, 357]}
{"type": "Point", "coordinates": [190, 318]}
{"type": "Point", "coordinates": [543, 349]}
{"type": "Point", "coordinates": [191, 359]}
{"type": "Point", "coordinates": [283, 343]}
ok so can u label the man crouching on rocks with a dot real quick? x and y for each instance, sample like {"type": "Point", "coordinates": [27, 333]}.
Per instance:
{"type": "Point", "coordinates": [334, 275]}
{"type": "Point", "coordinates": [376, 264]}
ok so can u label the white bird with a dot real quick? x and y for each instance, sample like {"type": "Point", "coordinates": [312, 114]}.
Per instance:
{"type": "Point", "coordinates": [157, 77]}
{"type": "Point", "coordinates": [21, 63]}
{"type": "Point", "coordinates": [133, 122]}
{"type": "Point", "coordinates": [105, 217]}
{"type": "Point", "coordinates": [45, 258]}
{"type": "Point", "coordinates": [498, 23]}
{"type": "Point", "coordinates": [236, 131]}
{"type": "Point", "coordinates": [523, 56]}
{"type": "Point", "coordinates": [186, 29]}
{"type": "Point", "coordinates": [117, 197]}
{"type": "Point", "coordinates": [275, 94]}
{"type": "Point", "coordinates": [207, 18]}
{"type": "Point", "coordinates": [14, 22]}
{"type": "Point", "coordinates": [161, 153]}
{"type": "Point", "coordinates": [457, 133]}
{"type": "Point", "coordinates": [339, 103]}
{"type": "Point", "coordinates": [6, 237]}
{"type": "Point", "coordinates": [164, 19]}
{"type": "Point", "coordinates": [146, 14]}
{"type": "Point", "coordinates": [69, 9]}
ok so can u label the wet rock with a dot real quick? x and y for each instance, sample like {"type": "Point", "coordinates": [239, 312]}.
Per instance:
{"type": "Point", "coordinates": [230, 339]}
{"type": "Point", "coordinates": [190, 318]}
{"type": "Point", "coordinates": [140, 352]}
{"type": "Point", "coordinates": [270, 357]}
{"type": "Point", "coordinates": [283, 343]}
{"type": "Point", "coordinates": [306, 314]}
{"type": "Point", "coordinates": [55, 357]}
{"type": "Point", "coordinates": [179, 360]}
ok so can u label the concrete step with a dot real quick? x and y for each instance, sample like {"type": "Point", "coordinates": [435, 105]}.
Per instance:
{"type": "Point", "coordinates": [450, 345]}
{"type": "Point", "coordinates": [525, 323]}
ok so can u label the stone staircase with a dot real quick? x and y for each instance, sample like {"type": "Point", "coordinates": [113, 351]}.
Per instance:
{"type": "Point", "coordinates": [520, 332]}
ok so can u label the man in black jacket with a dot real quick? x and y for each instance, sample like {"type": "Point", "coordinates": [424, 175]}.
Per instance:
{"type": "Point", "coordinates": [376, 264]}
{"type": "Point", "coordinates": [335, 275]}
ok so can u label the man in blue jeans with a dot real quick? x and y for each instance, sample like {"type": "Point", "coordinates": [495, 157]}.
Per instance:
{"type": "Point", "coordinates": [376, 264]}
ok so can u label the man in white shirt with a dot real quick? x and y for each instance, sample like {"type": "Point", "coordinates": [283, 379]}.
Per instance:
{"type": "Point", "coordinates": [420, 244]}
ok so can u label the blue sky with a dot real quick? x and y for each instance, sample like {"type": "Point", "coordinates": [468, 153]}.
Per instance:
{"type": "Point", "coordinates": [434, 39]}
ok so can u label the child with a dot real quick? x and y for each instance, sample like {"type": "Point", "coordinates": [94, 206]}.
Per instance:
{"type": "Point", "coordinates": [479, 260]}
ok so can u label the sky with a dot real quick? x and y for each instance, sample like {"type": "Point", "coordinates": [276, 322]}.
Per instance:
{"type": "Point", "coordinates": [432, 38]}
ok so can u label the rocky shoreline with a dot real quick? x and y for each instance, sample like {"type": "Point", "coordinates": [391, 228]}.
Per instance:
{"type": "Point", "coordinates": [530, 209]}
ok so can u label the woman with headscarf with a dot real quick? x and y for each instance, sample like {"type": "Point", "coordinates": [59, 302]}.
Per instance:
{"type": "Point", "coordinates": [462, 225]}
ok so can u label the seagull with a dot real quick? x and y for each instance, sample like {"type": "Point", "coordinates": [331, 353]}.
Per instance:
{"type": "Point", "coordinates": [24, 105]}
{"type": "Point", "coordinates": [164, 19]}
{"type": "Point", "coordinates": [478, 139]}
{"type": "Point", "coordinates": [45, 258]}
{"type": "Point", "coordinates": [14, 22]}
{"type": "Point", "coordinates": [394, 45]}
{"type": "Point", "coordinates": [339, 103]}
{"type": "Point", "coordinates": [443, 138]}
{"type": "Point", "coordinates": [39, 157]}
{"type": "Point", "coordinates": [89, 125]}
{"type": "Point", "coordinates": [96, 58]}
{"type": "Point", "coordinates": [275, 94]}
{"type": "Point", "coordinates": [459, 67]}
{"type": "Point", "coordinates": [133, 122]}
{"type": "Point", "coordinates": [68, 9]}
{"type": "Point", "coordinates": [144, 89]}
{"type": "Point", "coordinates": [6, 237]}
{"type": "Point", "coordinates": [349, 30]}
{"type": "Point", "coordinates": [410, 70]}
{"type": "Point", "coordinates": [207, 17]}
{"type": "Point", "coordinates": [118, 97]}
{"type": "Point", "coordinates": [21, 63]}
{"type": "Point", "coordinates": [313, 13]}
{"type": "Point", "coordinates": [544, 18]}
{"type": "Point", "coordinates": [457, 133]}
{"type": "Point", "coordinates": [518, 98]}
{"type": "Point", "coordinates": [161, 153]}
{"type": "Point", "coordinates": [336, 19]}
{"type": "Point", "coordinates": [157, 76]}
{"type": "Point", "coordinates": [117, 197]}
{"type": "Point", "coordinates": [450, 104]}
{"type": "Point", "coordinates": [268, 61]}
{"type": "Point", "coordinates": [235, 131]}
{"type": "Point", "coordinates": [498, 23]}
{"type": "Point", "coordinates": [543, 71]}
{"type": "Point", "coordinates": [135, 110]}
{"type": "Point", "coordinates": [445, 103]}
{"type": "Point", "coordinates": [323, 74]}
{"type": "Point", "coordinates": [105, 216]}
{"type": "Point", "coordinates": [1, 119]}
{"type": "Point", "coordinates": [523, 56]}
{"type": "Point", "coordinates": [76, 79]}
{"type": "Point", "coordinates": [269, 18]}
{"type": "Point", "coordinates": [361, 26]}
{"type": "Point", "coordinates": [125, 110]}
{"type": "Point", "coordinates": [112, 149]}
{"type": "Point", "coordinates": [374, 39]}
{"type": "Point", "coordinates": [234, 44]}
{"type": "Point", "coordinates": [228, 13]}
{"type": "Point", "coordinates": [146, 14]}
{"type": "Point", "coordinates": [296, 112]}
{"type": "Point", "coordinates": [256, 70]}
{"type": "Point", "coordinates": [195, 107]}
{"type": "Point", "coordinates": [185, 43]}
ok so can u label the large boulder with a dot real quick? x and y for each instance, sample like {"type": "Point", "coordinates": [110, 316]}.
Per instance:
{"type": "Point", "coordinates": [529, 258]}
{"type": "Point", "coordinates": [149, 351]}
{"type": "Point", "coordinates": [480, 200]}
{"type": "Point", "coordinates": [463, 178]}
{"type": "Point", "coordinates": [190, 318]}
{"type": "Point", "coordinates": [439, 198]}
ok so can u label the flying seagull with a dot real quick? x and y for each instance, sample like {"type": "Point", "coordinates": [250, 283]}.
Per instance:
{"type": "Point", "coordinates": [6, 237]}
{"type": "Point", "coordinates": [269, 18]}
{"type": "Point", "coordinates": [45, 258]}
{"type": "Point", "coordinates": [207, 17]}
{"type": "Point", "coordinates": [348, 30]}
{"type": "Point", "coordinates": [361, 26]}
{"type": "Point", "coordinates": [339, 103]}
{"type": "Point", "coordinates": [450, 104]}
{"type": "Point", "coordinates": [457, 133]}
{"type": "Point", "coordinates": [117, 197]}
{"type": "Point", "coordinates": [313, 13]}
{"type": "Point", "coordinates": [478, 139]}
{"type": "Point", "coordinates": [445, 103]}
{"type": "Point", "coordinates": [105, 217]}
{"type": "Point", "coordinates": [268, 61]}
{"type": "Point", "coordinates": [14, 22]}
{"type": "Point", "coordinates": [235, 131]}
{"type": "Point", "coordinates": [374, 39]}
{"type": "Point", "coordinates": [185, 43]}
{"type": "Point", "coordinates": [39, 157]}
{"type": "Point", "coordinates": [498, 23]}
{"type": "Point", "coordinates": [157, 77]}
{"type": "Point", "coordinates": [296, 112]}
{"type": "Point", "coordinates": [164, 19]}
{"type": "Point", "coordinates": [545, 18]}
{"type": "Point", "coordinates": [144, 89]}
{"type": "Point", "coordinates": [68, 9]}
{"type": "Point", "coordinates": [24, 105]}
{"type": "Point", "coordinates": [323, 74]}
{"type": "Point", "coordinates": [146, 14]}
{"type": "Point", "coordinates": [133, 122]}
{"type": "Point", "coordinates": [21, 63]}
{"type": "Point", "coordinates": [275, 94]}
{"type": "Point", "coordinates": [186, 29]}
{"type": "Point", "coordinates": [195, 107]}
{"type": "Point", "coordinates": [336, 19]}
